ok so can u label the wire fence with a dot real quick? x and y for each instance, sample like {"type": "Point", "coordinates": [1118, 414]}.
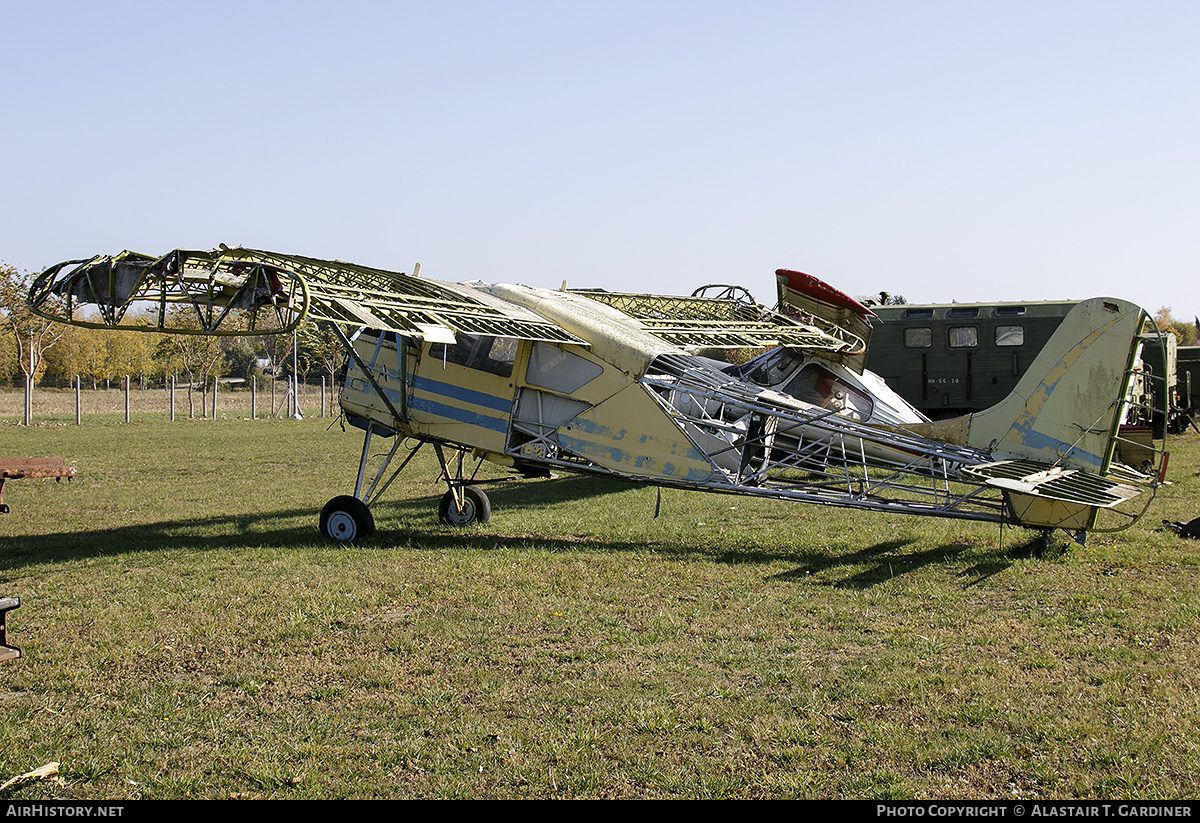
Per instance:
{"type": "Point", "coordinates": [257, 398]}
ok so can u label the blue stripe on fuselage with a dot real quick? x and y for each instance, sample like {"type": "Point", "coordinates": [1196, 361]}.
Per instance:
{"type": "Point", "coordinates": [451, 411]}
{"type": "Point", "coordinates": [453, 392]}
{"type": "Point", "coordinates": [458, 415]}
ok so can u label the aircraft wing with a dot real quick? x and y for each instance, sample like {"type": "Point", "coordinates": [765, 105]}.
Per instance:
{"type": "Point", "coordinates": [237, 291]}
{"type": "Point", "coordinates": [717, 323]}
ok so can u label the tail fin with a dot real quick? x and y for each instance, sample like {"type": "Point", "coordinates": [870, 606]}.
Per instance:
{"type": "Point", "coordinates": [1068, 405]}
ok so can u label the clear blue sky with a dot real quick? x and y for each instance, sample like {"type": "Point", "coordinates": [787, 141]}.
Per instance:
{"type": "Point", "coordinates": [944, 151]}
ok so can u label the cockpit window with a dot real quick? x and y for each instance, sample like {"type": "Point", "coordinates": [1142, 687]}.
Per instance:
{"type": "Point", "coordinates": [552, 368]}
{"type": "Point", "coordinates": [821, 387]}
{"type": "Point", "coordinates": [494, 355]}
{"type": "Point", "coordinates": [772, 368]}
{"type": "Point", "coordinates": [813, 383]}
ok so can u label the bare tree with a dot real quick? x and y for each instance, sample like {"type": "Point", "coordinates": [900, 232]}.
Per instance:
{"type": "Point", "coordinates": [31, 335]}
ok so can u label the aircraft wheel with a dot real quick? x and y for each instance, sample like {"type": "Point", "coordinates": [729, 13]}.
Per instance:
{"type": "Point", "coordinates": [476, 508]}
{"type": "Point", "coordinates": [346, 518]}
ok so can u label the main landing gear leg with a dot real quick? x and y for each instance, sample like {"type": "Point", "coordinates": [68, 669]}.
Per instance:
{"type": "Point", "coordinates": [463, 504]}
{"type": "Point", "coordinates": [347, 517]}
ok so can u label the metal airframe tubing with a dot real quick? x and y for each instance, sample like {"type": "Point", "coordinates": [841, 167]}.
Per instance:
{"type": "Point", "coordinates": [362, 462]}
{"type": "Point", "coordinates": [373, 494]}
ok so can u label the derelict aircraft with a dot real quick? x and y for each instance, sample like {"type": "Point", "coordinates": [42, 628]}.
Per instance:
{"type": "Point", "coordinates": [610, 384]}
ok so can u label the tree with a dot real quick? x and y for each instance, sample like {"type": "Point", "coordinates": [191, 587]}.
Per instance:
{"type": "Point", "coordinates": [8, 359]}
{"type": "Point", "coordinates": [320, 347]}
{"type": "Point", "coordinates": [1185, 333]}
{"type": "Point", "coordinates": [30, 335]}
{"type": "Point", "coordinates": [101, 355]}
{"type": "Point", "coordinates": [79, 353]}
{"type": "Point", "coordinates": [241, 354]}
{"type": "Point", "coordinates": [884, 299]}
{"type": "Point", "coordinates": [197, 356]}
{"type": "Point", "coordinates": [129, 354]}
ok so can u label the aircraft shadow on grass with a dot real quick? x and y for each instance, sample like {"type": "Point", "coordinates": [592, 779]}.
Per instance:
{"type": "Point", "coordinates": [416, 523]}
{"type": "Point", "coordinates": [416, 526]}
{"type": "Point", "coordinates": [887, 561]}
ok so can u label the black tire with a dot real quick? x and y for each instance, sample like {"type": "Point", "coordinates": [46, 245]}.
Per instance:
{"type": "Point", "coordinates": [476, 508]}
{"type": "Point", "coordinates": [346, 519]}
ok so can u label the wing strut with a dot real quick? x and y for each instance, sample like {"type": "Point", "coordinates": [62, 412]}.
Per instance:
{"type": "Point", "coordinates": [358, 361]}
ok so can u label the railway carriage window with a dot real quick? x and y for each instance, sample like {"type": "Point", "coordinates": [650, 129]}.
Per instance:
{"type": "Point", "coordinates": [918, 338]}
{"type": "Point", "coordinates": [494, 355]}
{"type": "Point", "coordinates": [1010, 335]}
{"type": "Point", "coordinates": [963, 311]}
{"type": "Point", "coordinates": [964, 337]}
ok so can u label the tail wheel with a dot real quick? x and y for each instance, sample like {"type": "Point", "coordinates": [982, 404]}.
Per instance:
{"type": "Point", "coordinates": [346, 519]}
{"type": "Point", "coordinates": [476, 508]}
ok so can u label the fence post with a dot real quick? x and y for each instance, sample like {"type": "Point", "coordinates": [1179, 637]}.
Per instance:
{"type": "Point", "coordinates": [126, 398]}
{"type": "Point", "coordinates": [253, 395]}
{"type": "Point", "coordinates": [295, 378]}
{"type": "Point", "coordinates": [171, 395]}
{"type": "Point", "coordinates": [78, 407]}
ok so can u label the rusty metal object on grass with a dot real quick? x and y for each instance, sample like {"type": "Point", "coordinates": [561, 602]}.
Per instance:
{"type": "Point", "coordinates": [7, 652]}
{"type": "Point", "coordinates": [36, 467]}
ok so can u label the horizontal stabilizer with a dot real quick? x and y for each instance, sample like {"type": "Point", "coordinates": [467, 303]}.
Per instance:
{"type": "Point", "coordinates": [1053, 482]}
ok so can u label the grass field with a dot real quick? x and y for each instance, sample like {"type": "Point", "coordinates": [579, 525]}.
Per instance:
{"type": "Point", "coordinates": [186, 633]}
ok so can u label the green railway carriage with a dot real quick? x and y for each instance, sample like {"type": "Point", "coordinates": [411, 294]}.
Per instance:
{"type": "Point", "coordinates": [956, 358]}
